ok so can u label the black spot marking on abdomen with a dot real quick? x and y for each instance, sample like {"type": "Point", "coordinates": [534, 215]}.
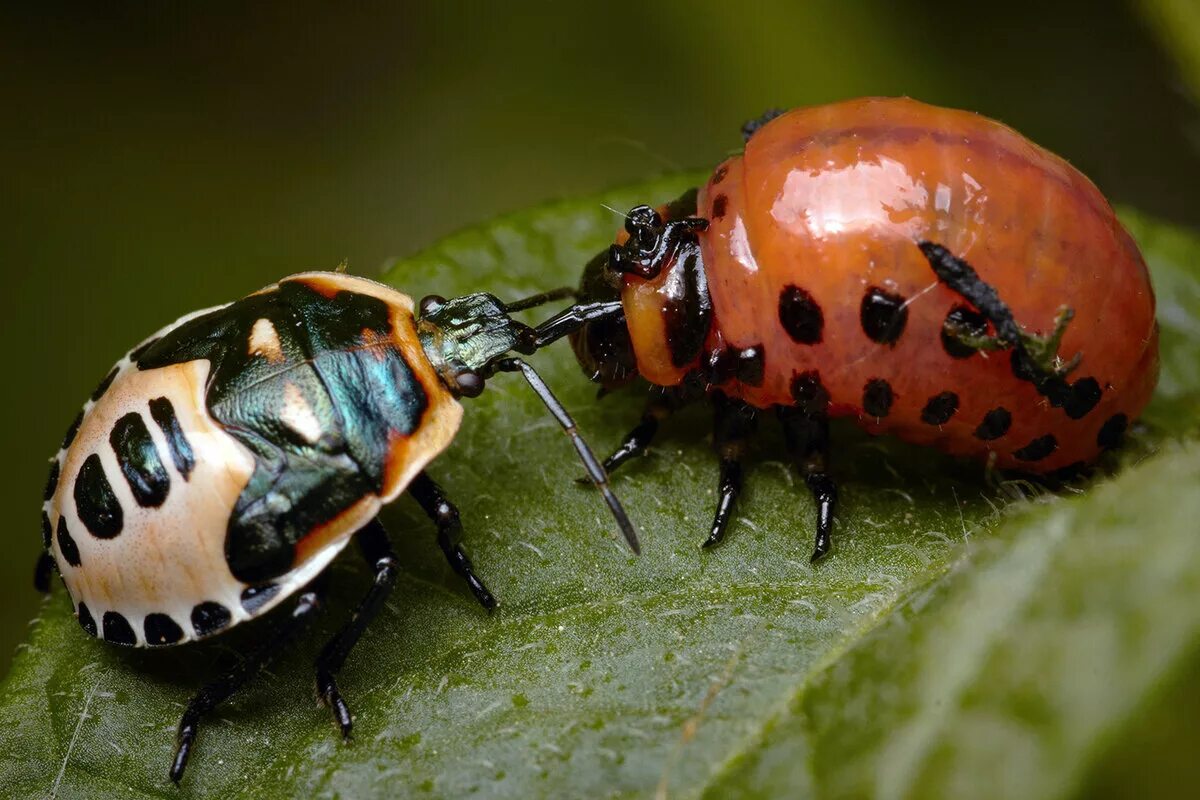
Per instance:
{"type": "Point", "coordinates": [66, 543]}
{"type": "Point", "coordinates": [1038, 449]}
{"type": "Point", "coordinates": [86, 621]}
{"type": "Point", "coordinates": [877, 398]}
{"type": "Point", "coordinates": [72, 431]}
{"type": "Point", "coordinates": [161, 630]}
{"type": "Point", "coordinates": [139, 461]}
{"type": "Point", "coordinates": [719, 205]}
{"type": "Point", "coordinates": [883, 315]}
{"type": "Point", "coordinates": [47, 531]}
{"type": "Point", "coordinates": [940, 408]}
{"type": "Point", "coordinates": [995, 424]}
{"type": "Point", "coordinates": [800, 316]}
{"type": "Point", "coordinates": [163, 413]}
{"type": "Point", "coordinates": [209, 617]}
{"type": "Point", "coordinates": [51, 480]}
{"type": "Point", "coordinates": [1085, 394]}
{"type": "Point", "coordinates": [95, 502]}
{"type": "Point", "coordinates": [118, 630]}
{"type": "Point", "coordinates": [1112, 432]}
{"type": "Point", "coordinates": [104, 384]}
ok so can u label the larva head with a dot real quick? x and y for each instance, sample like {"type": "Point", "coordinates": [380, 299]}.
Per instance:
{"type": "Point", "coordinates": [656, 268]}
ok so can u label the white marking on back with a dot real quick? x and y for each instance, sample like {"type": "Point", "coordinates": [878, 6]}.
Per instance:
{"type": "Point", "coordinates": [264, 341]}
{"type": "Point", "coordinates": [298, 415]}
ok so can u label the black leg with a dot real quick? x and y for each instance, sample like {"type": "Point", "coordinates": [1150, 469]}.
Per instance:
{"type": "Point", "coordinates": [42, 571]}
{"type": "Point", "coordinates": [806, 434]}
{"type": "Point", "coordinates": [373, 541]}
{"type": "Point", "coordinates": [433, 500]}
{"type": "Point", "coordinates": [218, 691]}
{"type": "Point", "coordinates": [733, 423]}
{"type": "Point", "coordinates": [659, 406]}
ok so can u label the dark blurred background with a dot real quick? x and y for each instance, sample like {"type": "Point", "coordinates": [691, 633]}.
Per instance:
{"type": "Point", "coordinates": [155, 162]}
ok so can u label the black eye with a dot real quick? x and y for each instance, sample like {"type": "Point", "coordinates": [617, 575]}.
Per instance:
{"type": "Point", "coordinates": [430, 304]}
{"type": "Point", "coordinates": [469, 383]}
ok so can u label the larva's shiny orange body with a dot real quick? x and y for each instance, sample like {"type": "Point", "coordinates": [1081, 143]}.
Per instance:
{"type": "Point", "coordinates": [811, 258]}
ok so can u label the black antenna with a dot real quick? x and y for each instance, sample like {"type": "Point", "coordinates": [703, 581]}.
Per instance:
{"type": "Point", "coordinates": [594, 470]}
{"type": "Point", "coordinates": [540, 299]}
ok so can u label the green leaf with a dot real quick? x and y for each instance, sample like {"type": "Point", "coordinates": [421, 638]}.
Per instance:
{"type": "Point", "coordinates": [962, 639]}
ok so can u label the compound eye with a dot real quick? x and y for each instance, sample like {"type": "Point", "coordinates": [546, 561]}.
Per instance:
{"type": "Point", "coordinates": [430, 304]}
{"type": "Point", "coordinates": [469, 383]}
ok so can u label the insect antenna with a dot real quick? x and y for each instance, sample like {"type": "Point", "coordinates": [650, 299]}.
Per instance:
{"type": "Point", "coordinates": [592, 464]}
{"type": "Point", "coordinates": [561, 293]}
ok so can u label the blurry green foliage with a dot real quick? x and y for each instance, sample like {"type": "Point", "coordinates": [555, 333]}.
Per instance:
{"type": "Point", "coordinates": [962, 640]}
{"type": "Point", "coordinates": [1178, 25]}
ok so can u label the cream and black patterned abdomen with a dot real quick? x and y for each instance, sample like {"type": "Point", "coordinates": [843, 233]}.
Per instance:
{"type": "Point", "coordinates": [225, 462]}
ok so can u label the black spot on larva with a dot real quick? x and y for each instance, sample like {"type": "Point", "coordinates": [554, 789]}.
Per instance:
{"type": "Point", "coordinates": [160, 629]}
{"type": "Point", "coordinates": [1076, 399]}
{"type": "Point", "coordinates": [163, 413]}
{"type": "Point", "coordinates": [877, 398]}
{"type": "Point", "coordinates": [883, 315]}
{"type": "Point", "coordinates": [72, 431]}
{"type": "Point", "coordinates": [1085, 394]}
{"type": "Point", "coordinates": [995, 424]}
{"type": "Point", "coordinates": [95, 502]}
{"type": "Point", "coordinates": [1023, 368]}
{"type": "Point", "coordinates": [719, 204]}
{"type": "Point", "coordinates": [800, 315]}
{"type": "Point", "coordinates": [1038, 449]}
{"type": "Point", "coordinates": [209, 617]}
{"type": "Point", "coordinates": [66, 543]}
{"type": "Point", "coordinates": [104, 384]}
{"type": "Point", "coordinates": [719, 175]}
{"type": "Point", "coordinates": [85, 619]}
{"type": "Point", "coordinates": [117, 629]}
{"type": "Point", "coordinates": [139, 461]}
{"type": "Point", "coordinates": [51, 480]}
{"type": "Point", "coordinates": [136, 353]}
{"type": "Point", "coordinates": [46, 531]}
{"type": "Point", "coordinates": [749, 368]}
{"type": "Point", "coordinates": [809, 393]}
{"type": "Point", "coordinates": [1112, 432]}
{"type": "Point", "coordinates": [254, 597]}
{"type": "Point", "coordinates": [965, 319]}
{"type": "Point", "coordinates": [940, 408]}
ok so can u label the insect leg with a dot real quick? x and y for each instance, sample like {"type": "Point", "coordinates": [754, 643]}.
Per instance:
{"type": "Point", "coordinates": [660, 405]}
{"type": "Point", "coordinates": [806, 435]}
{"type": "Point", "coordinates": [733, 424]}
{"type": "Point", "coordinates": [438, 507]}
{"type": "Point", "coordinates": [213, 694]}
{"type": "Point", "coordinates": [376, 549]}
